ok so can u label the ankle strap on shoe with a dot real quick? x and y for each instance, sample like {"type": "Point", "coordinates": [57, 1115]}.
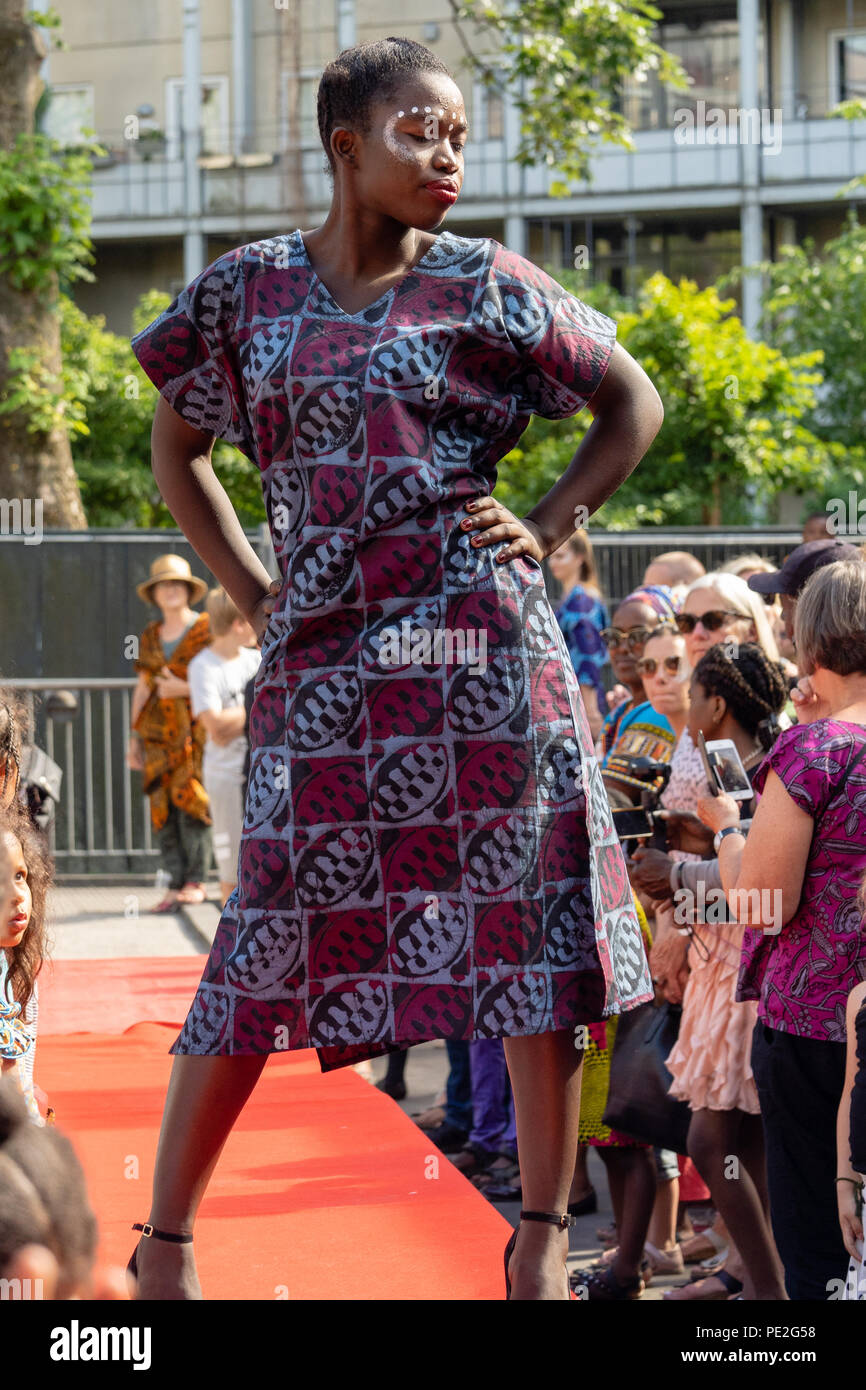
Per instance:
{"type": "Point", "coordinates": [148, 1230]}
{"type": "Point", "coordinates": [553, 1218]}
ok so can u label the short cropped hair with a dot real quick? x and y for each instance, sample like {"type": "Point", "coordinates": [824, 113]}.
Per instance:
{"type": "Point", "coordinates": [221, 611]}
{"type": "Point", "coordinates": [830, 620]}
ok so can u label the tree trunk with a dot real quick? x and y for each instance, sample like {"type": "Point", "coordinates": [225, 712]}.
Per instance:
{"type": "Point", "coordinates": [33, 467]}
{"type": "Point", "coordinates": [712, 509]}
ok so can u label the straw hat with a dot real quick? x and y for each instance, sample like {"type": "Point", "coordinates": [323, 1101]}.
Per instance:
{"type": "Point", "coordinates": [171, 567]}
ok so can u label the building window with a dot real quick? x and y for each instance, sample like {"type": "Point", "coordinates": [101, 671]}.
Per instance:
{"type": "Point", "coordinates": [625, 252]}
{"type": "Point", "coordinates": [709, 53]}
{"type": "Point", "coordinates": [848, 66]}
{"type": "Point", "coordinates": [69, 113]}
{"type": "Point", "coordinates": [214, 116]}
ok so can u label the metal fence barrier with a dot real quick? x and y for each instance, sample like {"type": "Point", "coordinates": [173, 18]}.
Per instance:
{"type": "Point", "coordinates": [102, 823]}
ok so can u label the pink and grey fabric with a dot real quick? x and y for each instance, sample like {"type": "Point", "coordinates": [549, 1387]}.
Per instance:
{"type": "Point", "coordinates": [427, 848]}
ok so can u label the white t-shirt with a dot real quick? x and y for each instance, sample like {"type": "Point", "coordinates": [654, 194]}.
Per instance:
{"type": "Point", "coordinates": [215, 684]}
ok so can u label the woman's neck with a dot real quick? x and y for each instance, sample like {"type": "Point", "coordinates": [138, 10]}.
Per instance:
{"type": "Point", "coordinates": [746, 744]}
{"type": "Point", "coordinates": [175, 622]}
{"type": "Point", "coordinates": [845, 696]}
{"type": "Point", "coordinates": [677, 720]}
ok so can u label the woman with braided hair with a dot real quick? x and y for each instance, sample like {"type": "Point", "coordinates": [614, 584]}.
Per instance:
{"type": "Point", "coordinates": [427, 848]}
{"type": "Point", "coordinates": [737, 697]}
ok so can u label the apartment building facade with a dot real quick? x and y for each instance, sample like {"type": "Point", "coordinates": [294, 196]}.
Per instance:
{"type": "Point", "coordinates": [183, 181]}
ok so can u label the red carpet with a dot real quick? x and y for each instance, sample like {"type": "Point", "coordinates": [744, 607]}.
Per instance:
{"type": "Point", "coordinates": [325, 1190]}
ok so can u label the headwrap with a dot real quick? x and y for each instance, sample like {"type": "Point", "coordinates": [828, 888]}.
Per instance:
{"type": "Point", "coordinates": [659, 597]}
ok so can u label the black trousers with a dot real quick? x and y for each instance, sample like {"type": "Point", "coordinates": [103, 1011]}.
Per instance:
{"type": "Point", "coordinates": [800, 1083]}
{"type": "Point", "coordinates": [185, 848]}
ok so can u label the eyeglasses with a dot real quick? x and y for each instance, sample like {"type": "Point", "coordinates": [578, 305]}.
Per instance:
{"type": "Point", "coordinates": [712, 620]}
{"type": "Point", "coordinates": [648, 665]}
{"type": "Point", "coordinates": [615, 637]}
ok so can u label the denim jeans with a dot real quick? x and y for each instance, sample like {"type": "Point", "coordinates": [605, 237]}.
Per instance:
{"type": "Point", "coordinates": [493, 1125]}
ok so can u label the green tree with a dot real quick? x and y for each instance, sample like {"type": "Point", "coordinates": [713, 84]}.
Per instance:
{"type": "Point", "coordinates": [44, 246]}
{"type": "Point", "coordinates": [564, 65]}
{"type": "Point", "coordinates": [110, 403]}
{"type": "Point", "coordinates": [734, 432]}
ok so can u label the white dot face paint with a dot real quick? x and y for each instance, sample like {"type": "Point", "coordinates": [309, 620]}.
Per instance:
{"type": "Point", "coordinates": [395, 146]}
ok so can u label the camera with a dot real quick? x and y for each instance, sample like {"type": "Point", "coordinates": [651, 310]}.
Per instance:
{"type": "Point", "coordinates": [639, 821]}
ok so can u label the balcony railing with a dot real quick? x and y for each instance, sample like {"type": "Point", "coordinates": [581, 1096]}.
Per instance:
{"type": "Point", "coordinates": [134, 182]}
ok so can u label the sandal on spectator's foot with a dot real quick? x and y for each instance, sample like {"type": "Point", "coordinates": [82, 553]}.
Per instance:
{"type": "Point", "coordinates": [553, 1218]}
{"type": "Point", "coordinates": [447, 1137]}
{"type": "Point", "coordinates": [706, 1267]}
{"type": "Point", "coordinates": [602, 1286]}
{"type": "Point", "coordinates": [606, 1260]}
{"type": "Point", "coordinates": [665, 1261]}
{"type": "Point", "coordinates": [718, 1287]}
{"type": "Point", "coordinates": [168, 904]}
{"type": "Point", "coordinates": [473, 1159]}
{"type": "Point", "coordinates": [192, 893]}
{"type": "Point", "coordinates": [148, 1230]}
{"type": "Point", "coordinates": [426, 1119]}
{"type": "Point", "coordinates": [706, 1245]}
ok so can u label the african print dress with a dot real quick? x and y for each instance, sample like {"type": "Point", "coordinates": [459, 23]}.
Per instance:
{"type": "Point", "coordinates": [172, 741]}
{"type": "Point", "coordinates": [427, 848]}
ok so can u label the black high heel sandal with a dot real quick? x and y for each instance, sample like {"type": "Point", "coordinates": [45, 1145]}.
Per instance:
{"type": "Point", "coordinates": [562, 1220]}
{"type": "Point", "coordinates": [148, 1230]}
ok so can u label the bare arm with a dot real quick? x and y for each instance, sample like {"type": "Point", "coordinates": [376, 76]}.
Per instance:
{"type": "Point", "coordinates": [182, 468]}
{"type": "Point", "coordinates": [627, 415]}
{"type": "Point", "coordinates": [762, 875]}
{"type": "Point", "coordinates": [850, 1220]}
{"type": "Point", "coordinates": [224, 725]}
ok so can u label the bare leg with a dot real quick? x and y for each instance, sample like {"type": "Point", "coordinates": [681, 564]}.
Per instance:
{"type": "Point", "coordinates": [580, 1183]}
{"type": "Point", "coordinates": [545, 1072]}
{"type": "Point", "coordinates": [636, 1171]}
{"type": "Point", "coordinates": [205, 1096]}
{"type": "Point", "coordinates": [714, 1145]}
{"type": "Point", "coordinates": [662, 1231]}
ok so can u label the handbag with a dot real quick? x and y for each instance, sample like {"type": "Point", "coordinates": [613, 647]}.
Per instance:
{"type": "Point", "coordinates": [638, 1102]}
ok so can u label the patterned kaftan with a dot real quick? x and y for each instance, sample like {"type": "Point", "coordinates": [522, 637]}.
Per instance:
{"type": "Point", "coordinates": [427, 847]}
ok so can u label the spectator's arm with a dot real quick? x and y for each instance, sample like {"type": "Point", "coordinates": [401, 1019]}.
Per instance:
{"type": "Point", "coordinates": [850, 1219]}
{"type": "Point", "coordinates": [224, 725]}
{"type": "Point", "coordinates": [767, 868]}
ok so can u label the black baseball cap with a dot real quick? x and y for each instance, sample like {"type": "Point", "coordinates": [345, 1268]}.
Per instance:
{"type": "Point", "coordinates": [800, 564]}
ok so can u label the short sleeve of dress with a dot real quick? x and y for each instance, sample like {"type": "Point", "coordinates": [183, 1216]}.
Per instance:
{"type": "Point", "coordinates": [810, 761]}
{"type": "Point", "coordinates": [191, 354]}
{"type": "Point", "coordinates": [561, 346]}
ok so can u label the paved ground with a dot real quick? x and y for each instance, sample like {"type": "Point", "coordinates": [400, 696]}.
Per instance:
{"type": "Point", "coordinates": [96, 919]}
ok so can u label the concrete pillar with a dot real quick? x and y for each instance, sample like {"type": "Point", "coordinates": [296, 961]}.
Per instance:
{"type": "Point", "coordinates": [345, 24]}
{"type": "Point", "coordinates": [515, 233]}
{"type": "Point", "coordinates": [788, 78]}
{"type": "Point", "coordinates": [193, 239]}
{"type": "Point", "coordinates": [243, 78]}
{"type": "Point", "coordinates": [751, 220]}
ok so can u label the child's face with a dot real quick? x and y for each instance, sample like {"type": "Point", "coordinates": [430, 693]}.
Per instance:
{"type": "Point", "coordinates": [16, 913]}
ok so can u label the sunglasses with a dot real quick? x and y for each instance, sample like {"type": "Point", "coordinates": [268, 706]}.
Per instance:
{"type": "Point", "coordinates": [615, 637]}
{"type": "Point", "coordinates": [648, 665]}
{"type": "Point", "coordinates": [712, 621]}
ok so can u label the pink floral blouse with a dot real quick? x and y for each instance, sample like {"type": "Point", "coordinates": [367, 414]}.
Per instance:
{"type": "Point", "coordinates": [803, 975]}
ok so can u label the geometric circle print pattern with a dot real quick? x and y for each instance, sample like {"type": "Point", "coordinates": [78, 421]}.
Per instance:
{"type": "Point", "coordinates": [427, 849]}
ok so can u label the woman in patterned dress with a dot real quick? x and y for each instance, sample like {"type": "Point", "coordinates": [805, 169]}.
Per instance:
{"type": "Point", "coordinates": [427, 849]}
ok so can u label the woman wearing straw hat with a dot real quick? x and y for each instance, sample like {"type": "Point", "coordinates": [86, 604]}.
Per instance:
{"type": "Point", "coordinates": [166, 742]}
